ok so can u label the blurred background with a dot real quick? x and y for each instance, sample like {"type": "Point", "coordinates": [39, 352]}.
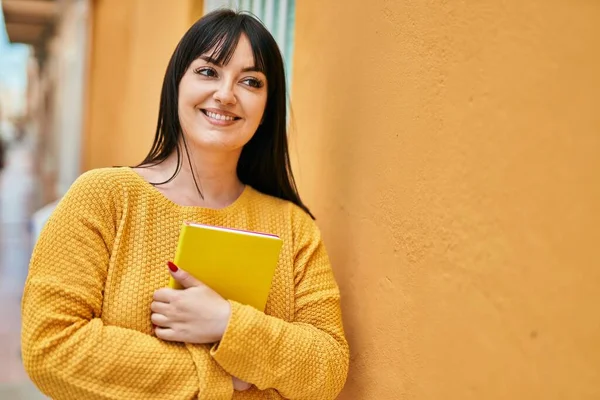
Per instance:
{"type": "Point", "coordinates": [450, 150]}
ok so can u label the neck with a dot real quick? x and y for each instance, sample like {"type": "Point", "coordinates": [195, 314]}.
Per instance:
{"type": "Point", "coordinates": [215, 174]}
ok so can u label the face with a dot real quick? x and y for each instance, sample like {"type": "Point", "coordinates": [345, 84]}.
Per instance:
{"type": "Point", "coordinates": [221, 106]}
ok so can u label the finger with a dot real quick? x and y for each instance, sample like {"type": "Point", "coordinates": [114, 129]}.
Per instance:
{"type": "Point", "coordinates": [159, 307]}
{"type": "Point", "coordinates": [241, 387]}
{"type": "Point", "coordinates": [164, 295]}
{"type": "Point", "coordinates": [167, 334]}
{"type": "Point", "coordinates": [185, 279]}
{"type": "Point", "coordinates": [160, 320]}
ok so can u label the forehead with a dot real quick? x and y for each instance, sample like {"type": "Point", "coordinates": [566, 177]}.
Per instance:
{"type": "Point", "coordinates": [241, 56]}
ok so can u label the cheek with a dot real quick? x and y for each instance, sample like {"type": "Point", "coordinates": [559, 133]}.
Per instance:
{"type": "Point", "coordinates": [183, 102]}
{"type": "Point", "coordinates": [192, 93]}
{"type": "Point", "coordinates": [184, 113]}
{"type": "Point", "coordinates": [257, 110]}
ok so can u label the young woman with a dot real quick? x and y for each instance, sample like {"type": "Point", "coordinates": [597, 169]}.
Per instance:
{"type": "Point", "coordinates": [98, 320]}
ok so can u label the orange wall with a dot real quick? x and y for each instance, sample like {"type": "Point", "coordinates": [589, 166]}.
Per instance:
{"type": "Point", "coordinates": [451, 152]}
{"type": "Point", "coordinates": [132, 42]}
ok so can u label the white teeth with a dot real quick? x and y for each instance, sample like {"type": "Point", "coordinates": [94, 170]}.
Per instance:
{"type": "Point", "coordinates": [219, 117]}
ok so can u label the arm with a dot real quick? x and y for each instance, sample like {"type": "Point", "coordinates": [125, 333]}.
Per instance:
{"type": "Point", "coordinates": [67, 350]}
{"type": "Point", "coordinates": [305, 359]}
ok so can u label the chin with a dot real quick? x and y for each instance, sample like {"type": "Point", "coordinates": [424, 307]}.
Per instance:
{"type": "Point", "coordinates": [216, 139]}
{"type": "Point", "coordinates": [214, 145]}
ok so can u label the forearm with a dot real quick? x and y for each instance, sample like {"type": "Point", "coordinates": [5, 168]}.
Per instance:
{"type": "Point", "coordinates": [299, 360]}
{"type": "Point", "coordinates": [70, 358]}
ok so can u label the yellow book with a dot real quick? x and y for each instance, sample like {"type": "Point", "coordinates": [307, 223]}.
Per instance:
{"type": "Point", "coordinates": [237, 264]}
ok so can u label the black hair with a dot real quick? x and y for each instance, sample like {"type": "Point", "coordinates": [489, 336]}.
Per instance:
{"type": "Point", "coordinates": [264, 162]}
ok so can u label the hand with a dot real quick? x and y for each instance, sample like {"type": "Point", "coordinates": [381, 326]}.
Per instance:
{"type": "Point", "coordinates": [197, 314]}
{"type": "Point", "coordinates": [239, 385]}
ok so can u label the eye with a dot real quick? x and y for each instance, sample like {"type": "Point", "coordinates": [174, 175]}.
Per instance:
{"type": "Point", "coordinates": [206, 71]}
{"type": "Point", "coordinates": [253, 82]}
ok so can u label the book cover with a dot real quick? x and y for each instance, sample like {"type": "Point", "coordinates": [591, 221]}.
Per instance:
{"type": "Point", "coordinates": [237, 264]}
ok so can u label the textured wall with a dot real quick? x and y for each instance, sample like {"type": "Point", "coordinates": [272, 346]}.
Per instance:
{"type": "Point", "coordinates": [451, 152]}
{"type": "Point", "coordinates": [131, 46]}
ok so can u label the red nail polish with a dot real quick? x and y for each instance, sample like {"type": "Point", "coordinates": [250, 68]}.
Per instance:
{"type": "Point", "coordinates": [172, 266]}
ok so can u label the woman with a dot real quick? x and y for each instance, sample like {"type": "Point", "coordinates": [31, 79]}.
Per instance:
{"type": "Point", "coordinates": [98, 320]}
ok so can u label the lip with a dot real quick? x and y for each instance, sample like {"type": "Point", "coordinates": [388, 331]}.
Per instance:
{"type": "Point", "coordinates": [219, 122]}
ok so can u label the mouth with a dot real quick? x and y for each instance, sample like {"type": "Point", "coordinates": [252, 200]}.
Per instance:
{"type": "Point", "coordinates": [220, 116]}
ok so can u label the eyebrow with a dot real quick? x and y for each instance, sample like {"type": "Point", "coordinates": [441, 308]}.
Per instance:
{"type": "Point", "coordinates": [213, 61]}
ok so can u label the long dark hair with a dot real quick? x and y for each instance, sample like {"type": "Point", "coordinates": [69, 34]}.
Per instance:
{"type": "Point", "coordinates": [264, 162]}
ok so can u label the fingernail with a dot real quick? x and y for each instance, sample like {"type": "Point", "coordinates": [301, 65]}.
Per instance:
{"type": "Point", "coordinates": [172, 266]}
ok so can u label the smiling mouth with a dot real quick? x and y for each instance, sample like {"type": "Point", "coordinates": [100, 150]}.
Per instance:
{"type": "Point", "coordinates": [219, 117]}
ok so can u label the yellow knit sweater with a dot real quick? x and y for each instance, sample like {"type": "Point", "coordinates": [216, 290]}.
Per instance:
{"type": "Point", "coordinates": [86, 307]}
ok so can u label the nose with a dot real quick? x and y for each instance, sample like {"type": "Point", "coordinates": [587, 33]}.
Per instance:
{"type": "Point", "coordinates": [224, 94]}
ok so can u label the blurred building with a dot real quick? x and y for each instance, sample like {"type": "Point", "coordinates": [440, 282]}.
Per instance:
{"type": "Point", "coordinates": [58, 33]}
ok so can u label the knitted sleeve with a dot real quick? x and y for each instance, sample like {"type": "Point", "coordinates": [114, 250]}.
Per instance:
{"type": "Point", "coordinates": [304, 359]}
{"type": "Point", "coordinates": [67, 350]}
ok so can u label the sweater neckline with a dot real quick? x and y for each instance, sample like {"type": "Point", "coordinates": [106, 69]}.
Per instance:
{"type": "Point", "coordinates": [154, 192]}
